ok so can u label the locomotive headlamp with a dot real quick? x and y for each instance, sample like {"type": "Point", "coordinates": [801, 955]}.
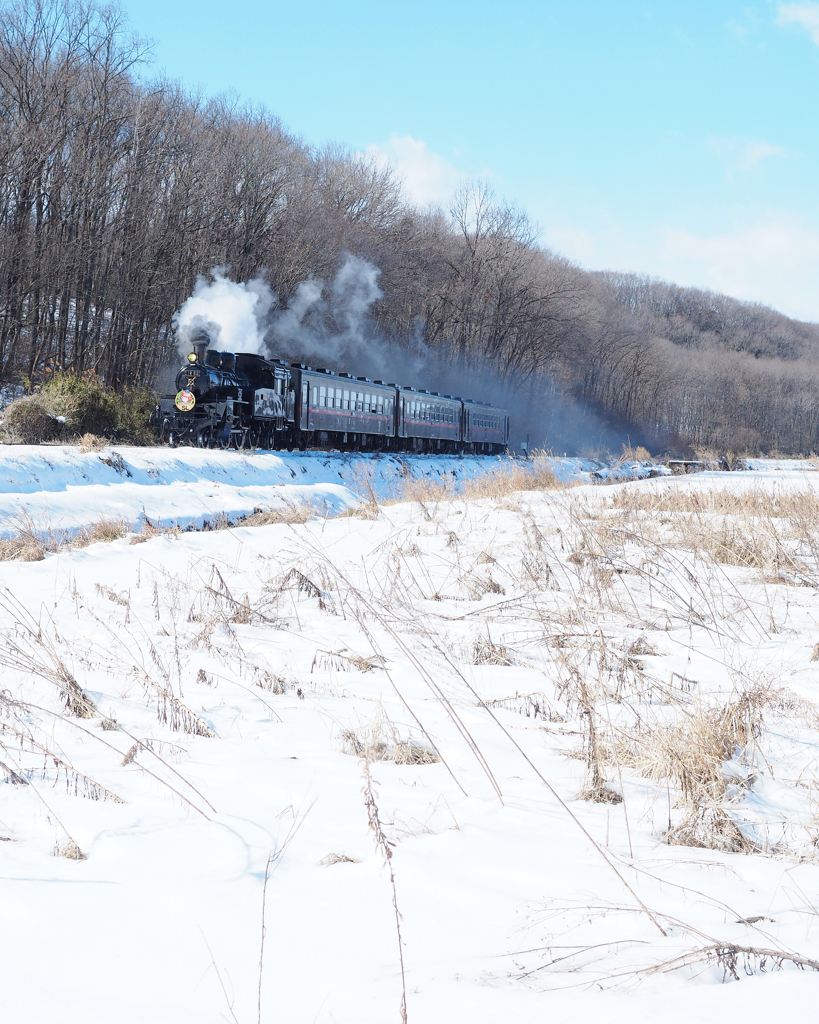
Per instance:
{"type": "Point", "coordinates": [191, 357]}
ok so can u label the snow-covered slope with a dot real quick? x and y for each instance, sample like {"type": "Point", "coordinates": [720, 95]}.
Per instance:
{"type": "Point", "coordinates": [66, 488]}
{"type": "Point", "coordinates": [243, 684]}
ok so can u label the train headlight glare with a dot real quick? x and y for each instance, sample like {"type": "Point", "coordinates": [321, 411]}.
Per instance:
{"type": "Point", "coordinates": [191, 357]}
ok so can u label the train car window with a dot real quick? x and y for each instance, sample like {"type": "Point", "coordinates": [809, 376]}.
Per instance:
{"type": "Point", "coordinates": [322, 396]}
{"type": "Point", "coordinates": [380, 401]}
{"type": "Point", "coordinates": [359, 402]}
{"type": "Point", "coordinates": [370, 403]}
{"type": "Point", "coordinates": [346, 399]}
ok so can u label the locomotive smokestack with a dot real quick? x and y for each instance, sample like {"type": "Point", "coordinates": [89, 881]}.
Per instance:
{"type": "Point", "coordinates": [200, 340]}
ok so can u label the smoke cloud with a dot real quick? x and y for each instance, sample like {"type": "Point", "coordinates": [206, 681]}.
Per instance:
{"type": "Point", "coordinates": [232, 313]}
{"type": "Point", "coordinates": [321, 323]}
{"type": "Point", "coordinates": [333, 328]}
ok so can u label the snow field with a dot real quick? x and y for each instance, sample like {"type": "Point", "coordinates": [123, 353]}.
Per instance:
{"type": "Point", "coordinates": [509, 654]}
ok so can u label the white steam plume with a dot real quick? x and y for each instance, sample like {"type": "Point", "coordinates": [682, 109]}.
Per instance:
{"type": "Point", "coordinates": [337, 327]}
{"type": "Point", "coordinates": [232, 313]}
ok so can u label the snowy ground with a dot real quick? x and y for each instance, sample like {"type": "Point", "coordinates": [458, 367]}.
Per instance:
{"type": "Point", "coordinates": [65, 487]}
{"type": "Point", "coordinates": [199, 711]}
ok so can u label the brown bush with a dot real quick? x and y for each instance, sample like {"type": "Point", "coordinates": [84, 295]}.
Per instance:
{"type": "Point", "coordinates": [29, 421]}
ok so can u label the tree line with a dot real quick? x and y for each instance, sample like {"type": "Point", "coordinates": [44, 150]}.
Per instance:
{"type": "Point", "coordinates": [118, 190]}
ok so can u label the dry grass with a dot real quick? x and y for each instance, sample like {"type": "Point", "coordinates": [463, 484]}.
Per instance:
{"type": "Point", "coordinates": [337, 858]}
{"type": "Point", "coordinates": [773, 533]}
{"type": "Point", "coordinates": [711, 828]}
{"type": "Point", "coordinates": [25, 541]}
{"type": "Point", "coordinates": [752, 503]}
{"type": "Point", "coordinates": [486, 652]}
{"type": "Point", "coordinates": [291, 513]}
{"type": "Point", "coordinates": [69, 849]}
{"type": "Point", "coordinates": [379, 740]}
{"type": "Point", "coordinates": [504, 477]}
{"type": "Point", "coordinates": [630, 453]}
{"type": "Point", "coordinates": [690, 753]}
{"type": "Point", "coordinates": [92, 443]}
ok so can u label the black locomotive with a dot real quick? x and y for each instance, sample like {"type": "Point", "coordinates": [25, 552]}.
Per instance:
{"type": "Point", "coordinates": [226, 400]}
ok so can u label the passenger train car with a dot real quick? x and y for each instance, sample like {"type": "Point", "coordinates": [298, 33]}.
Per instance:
{"type": "Point", "coordinates": [227, 400]}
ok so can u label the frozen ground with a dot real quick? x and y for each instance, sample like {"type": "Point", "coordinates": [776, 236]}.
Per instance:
{"type": "Point", "coordinates": [200, 711]}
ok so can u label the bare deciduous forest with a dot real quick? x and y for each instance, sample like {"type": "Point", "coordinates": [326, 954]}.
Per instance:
{"type": "Point", "coordinates": [117, 190]}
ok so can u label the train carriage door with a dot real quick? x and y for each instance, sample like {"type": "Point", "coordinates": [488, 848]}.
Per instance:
{"type": "Point", "coordinates": [401, 428]}
{"type": "Point", "coordinates": [305, 391]}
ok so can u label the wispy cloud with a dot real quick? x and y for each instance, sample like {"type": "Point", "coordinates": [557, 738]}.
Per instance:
{"type": "Point", "coordinates": [745, 154]}
{"type": "Point", "coordinates": [428, 177]}
{"type": "Point", "coordinates": [806, 15]}
{"type": "Point", "coordinates": [773, 259]}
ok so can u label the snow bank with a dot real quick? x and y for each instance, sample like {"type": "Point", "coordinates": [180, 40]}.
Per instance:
{"type": "Point", "coordinates": [68, 488]}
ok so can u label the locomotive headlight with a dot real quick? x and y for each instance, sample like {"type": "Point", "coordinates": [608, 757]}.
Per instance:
{"type": "Point", "coordinates": [191, 357]}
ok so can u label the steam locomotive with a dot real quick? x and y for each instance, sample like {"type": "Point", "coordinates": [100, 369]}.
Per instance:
{"type": "Point", "coordinates": [242, 400]}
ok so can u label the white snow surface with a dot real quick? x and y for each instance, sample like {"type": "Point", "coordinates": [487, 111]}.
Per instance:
{"type": "Point", "coordinates": [65, 488]}
{"type": "Point", "coordinates": [518, 901]}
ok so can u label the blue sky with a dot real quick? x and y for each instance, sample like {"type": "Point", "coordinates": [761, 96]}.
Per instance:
{"type": "Point", "coordinates": [674, 139]}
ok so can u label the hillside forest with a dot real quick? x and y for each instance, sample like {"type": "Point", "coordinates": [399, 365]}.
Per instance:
{"type": "Point", "coordinates": [118, 190]}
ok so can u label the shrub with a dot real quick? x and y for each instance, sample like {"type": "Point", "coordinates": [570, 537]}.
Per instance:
{"type": "Point", "coordinates": [69, 407]}
{"type": "Point", "coordinates": [29, 421]}
{"type": "Point", "coordinates": [134, 407]}
{"type": "Point", "coordinates": [88, 405]}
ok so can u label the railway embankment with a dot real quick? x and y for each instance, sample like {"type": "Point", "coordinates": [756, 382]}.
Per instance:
{"type": "Point", "coordinates": [66, 488]}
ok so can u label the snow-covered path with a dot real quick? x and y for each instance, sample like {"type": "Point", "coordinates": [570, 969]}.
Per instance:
{"type": "Point", "coordinates": [235, 678]}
